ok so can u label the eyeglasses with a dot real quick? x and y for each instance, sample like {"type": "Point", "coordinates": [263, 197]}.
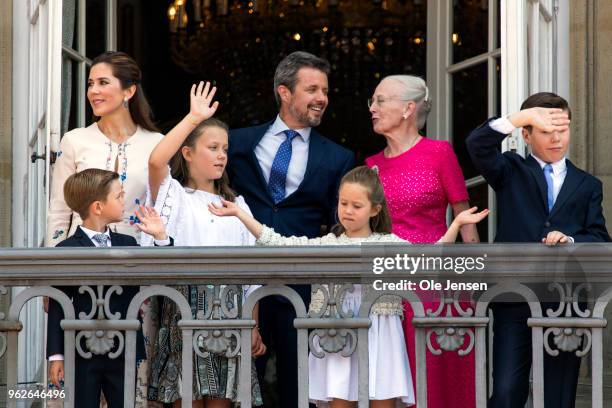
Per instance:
{"type": "Point", "coordinates": [379, 101]}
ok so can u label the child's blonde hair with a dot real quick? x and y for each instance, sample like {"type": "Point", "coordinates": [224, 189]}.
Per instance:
{"type": "Point", "coordinates": [368, 178]}
{"type": "Point", "coordinates": [83, 188]}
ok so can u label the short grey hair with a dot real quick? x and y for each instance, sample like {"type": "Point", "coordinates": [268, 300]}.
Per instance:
{"type": "Point", "coordinates": [287, 70]}
{"type": "Point", "coordinates": [414, 88]}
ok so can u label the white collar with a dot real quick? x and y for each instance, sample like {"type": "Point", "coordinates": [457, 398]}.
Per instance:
{"type": "Point", "coordinates": [558, 167]}
{"type": "Point", "coordinates": [279, 126]}
{"type": "Point", "coordinates": [91, 233]}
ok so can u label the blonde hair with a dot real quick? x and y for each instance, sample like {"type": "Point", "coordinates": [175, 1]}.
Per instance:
{"type": "Point", "coordinates": [414, 88]}
{"type": "Point", "coordinates": [369, 179]}
{"type": "Point", "coordinates": [83, 188]}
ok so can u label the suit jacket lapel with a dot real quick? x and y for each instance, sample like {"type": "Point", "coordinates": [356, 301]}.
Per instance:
{"type": "Point", "coordinates": [258, 134]}
{"type": "Point", "coordinates": [538, 175]}
{"type": "Point", "coordinates": [573, 178]}
{"type": "Point", "coordinates": [82, 238]}
{"type": "Point", "coordinates": [316, 150]}
{"type": "Point", "coordinates": [116, 239]}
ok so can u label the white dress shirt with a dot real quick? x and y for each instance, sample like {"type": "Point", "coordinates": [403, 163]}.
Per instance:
{"type": "Point", "coordinates": [266, 150]}
{"type": "Point", "coordinates": [91, 233]}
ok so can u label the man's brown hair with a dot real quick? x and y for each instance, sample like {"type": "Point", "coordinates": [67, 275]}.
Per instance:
{"type": "Point", "coordinates": [546, 100]}
{"type": "Point", "coordinates": [83, 188]}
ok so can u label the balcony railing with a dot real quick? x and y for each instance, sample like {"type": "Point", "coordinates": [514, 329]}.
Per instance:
{"type": "Point", "coordinates": [577, 278]}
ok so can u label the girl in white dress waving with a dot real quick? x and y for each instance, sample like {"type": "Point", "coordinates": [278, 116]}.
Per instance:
{"type": "Point", "coordinates": [197, 150]}
{"type": "Point", "coordinates": [364, 217]}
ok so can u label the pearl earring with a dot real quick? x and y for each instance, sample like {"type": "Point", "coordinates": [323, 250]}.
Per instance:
{"type": "Point", "coordinates": [125, 103]}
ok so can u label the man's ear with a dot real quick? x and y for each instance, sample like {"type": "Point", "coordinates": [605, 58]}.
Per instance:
{"type": "Point", "coordinates": [284, 92]}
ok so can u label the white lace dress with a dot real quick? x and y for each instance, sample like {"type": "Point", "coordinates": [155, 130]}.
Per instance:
{"type": "Point", "coordinates": [188, 221]}
{"type": "Point", "coordinates": [335, 376]}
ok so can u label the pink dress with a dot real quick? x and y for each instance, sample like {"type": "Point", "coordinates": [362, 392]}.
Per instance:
{"type": "Point", "coordinates": [419, 184]}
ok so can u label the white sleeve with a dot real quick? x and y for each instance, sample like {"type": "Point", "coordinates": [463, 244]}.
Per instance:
{"type": "Point", "coordinates": [502, 125]}
{"type": "Point", "coordinates": [246, 237]}
{"type": "Point", "coordinates": [168, 205]}
{"type": "Point", "coordinates": [58, 219]}
{"type": "Point", "coordinates": [273, 238]}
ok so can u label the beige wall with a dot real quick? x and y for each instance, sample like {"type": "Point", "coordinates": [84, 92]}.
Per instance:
{"type": "Point", "coordinates": [6, 50]}
{"type": "Point", "coordinates": [591, 148]}
{"type": "Point", "coordinates": [6, 62]}
{"type": "Point", "coordinates": [591, 89]}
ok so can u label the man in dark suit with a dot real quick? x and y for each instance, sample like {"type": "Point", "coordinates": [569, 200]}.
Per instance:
{"type": "Point", "coordinates": [540, 198]}
{"type": "Point", "coordinates": [289, 176]}
{"type": "Point", "coordinates": [97, 196]}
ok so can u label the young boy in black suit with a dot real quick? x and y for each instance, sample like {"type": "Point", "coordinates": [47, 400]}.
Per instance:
{"type": "Point", "coordinates": [540, 198]}
{"type": "Point", "coordinates": [98, 197]}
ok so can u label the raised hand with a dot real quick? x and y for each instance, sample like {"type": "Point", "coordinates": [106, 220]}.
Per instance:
{"type": "Point", "coordinates": [201, 105]}
{"type": "Point", "coordinates": [545, 119]}
{"type": "Point", "coordinates": [470, 216]}
{"type": "Point", "coordinates": [227, 208]}
{"type": "Point", "coordinates": [151, 223]}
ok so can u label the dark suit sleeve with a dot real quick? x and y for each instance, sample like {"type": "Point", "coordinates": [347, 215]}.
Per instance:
{"type": "Point", "coordinates": [484, 147]}
{"type": "Point", "coordinates": [594, 223]}
{"type": "Point", "coordinates": [55, 334]}
{"type": "Point", "coordinates": [347, 164]}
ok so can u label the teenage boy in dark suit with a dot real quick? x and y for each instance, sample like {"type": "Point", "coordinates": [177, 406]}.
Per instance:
{"type": "Point", "coordinates": [540, 198]}
{"type": "Point", "coordinates": [98, 197]}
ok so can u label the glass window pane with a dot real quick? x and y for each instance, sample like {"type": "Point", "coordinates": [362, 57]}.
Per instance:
{"type": "Point", "coordinates": [363, 40]}
{"type": "Point", "coordinates": [479, 196]}
{"type": "Point", "coordinates": [69, 12]}
{"type": "Point", "coordinates": [498, 81]}
{"type": "Point", "coordinates": [470, 29]}
{"type": "Point", "coordinates": [469, 109]}
{"type": "Point", "coordinates": [95, 28]}
{"type": "Point", "coordinates": [129, 24]}
{"type": "Point", "coordinates": [498, 28]}
{"type": "Point", "coordinates": [69, 95]}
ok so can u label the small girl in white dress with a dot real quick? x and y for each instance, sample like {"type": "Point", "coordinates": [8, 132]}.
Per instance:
{"type": "Point", "coordinates": [197, 150]}
{"type": "Point", "coordinates": [364, 217]}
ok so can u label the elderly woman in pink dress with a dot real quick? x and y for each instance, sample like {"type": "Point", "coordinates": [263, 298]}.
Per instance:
{"type": "Point", "coordinates": [421, 177]}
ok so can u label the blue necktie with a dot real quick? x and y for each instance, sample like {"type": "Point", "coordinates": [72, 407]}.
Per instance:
{"type": "Point", "coordinates": [548, 170]}
{"type": "Point", "coordinates": [280, 165]}
{"type": "Point", "coordinates": [101, 239]}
